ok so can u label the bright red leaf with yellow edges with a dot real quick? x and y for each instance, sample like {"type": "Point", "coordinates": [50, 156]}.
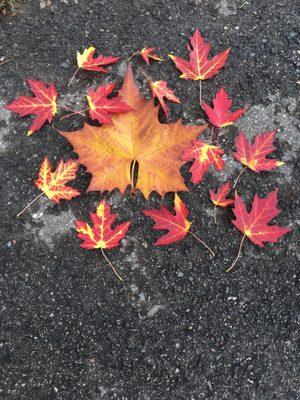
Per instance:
{"type": "Point", "coordinates": [199, 66]}
{"type": "Point", "coordinates": [53, 184]}
{"type": "Point", "coordinates": [176, 224]}
{"type": "Point", "coordinates": [204, 155]}
{"type": "Point", "coordinates": [147, 53]}
{"type": "Point", "coordinates": [254, 224]}
{"type": "Point", "coordinates": [254, 155]}
{"type": "Point", "coordinates": [160, 90]}
{"type": "Point", "coordinates": [87, 61]}
{"type": "Point", "coordinates": [101, 235]}
{"type": "Point", "coordinates": [219, 198]}
{"type": "Point", "coordinates": [42, 105]}
{"type": "Point", "coordinates": [219, 115]}
{"type": "Point", "coordinates": [100, 107]}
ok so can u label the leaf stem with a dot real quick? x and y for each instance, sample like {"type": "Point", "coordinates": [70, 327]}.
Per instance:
{"type": "Point", "coordinates": [203, 243]}
{"type": "Point", "coordinates": [239, 175]}
{"type": "Point", "coordinates": [238, 255]}
{"type": "Point", "coordinates": [217, 138]}
{"type": "Point", "coordinates": [73, 76]}
{"type": "Point", "coordinates": [211, 134]}
{"type": "Point", "coordinates": [5, 61]}
{"type": "Point", "coordinates": [215, 214]}
{"type": "Point", "coordinates": [132, 176]}
{"type": "Point", "coordinates": [111, 266]}
{"type": "Point", "coordinates": [132, 55]}
{"type": "Point", "coordinates": [144, 73]}
{"type": "Point", "coordinates": [28, 205]}
{"type": "Point", "coordinates": [200, 93]}
{"type": "Point", "coordinates": [81, 112]}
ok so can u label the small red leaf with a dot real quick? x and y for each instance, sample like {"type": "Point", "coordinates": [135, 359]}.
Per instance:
{"type": "Point", "coordinates": [219, 115]}
{"type": "Point", "coordinates": [100, 107]}
{"type": "Point", "coordinates": [43, 104]}
{"type": "Point", "coordinates": [219, 198]}
{"type": "Point", "coordinates": [53, 184]}
{"type": "Point", "coordinates": [203, 155]}
{"type": "Point", "coordinates": [101, 234]}
{"type": "Point", "coordinates": [176, 224]}
{"type": "Point", "coordinates": [87, 62]}
{"type": "Point", "coordinates": [254, 156]}
{"type": "Point", "coordinates": [148, 52]}
{"type": "Point", "coordinates": [198, 66]}
{"type": "Point", "coordinates": [160, 90]}
{"type": "Point", "coordinates": [254, 225]}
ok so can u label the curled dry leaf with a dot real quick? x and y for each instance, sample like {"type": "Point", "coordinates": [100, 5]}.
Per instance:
{"type": "Point", "coordinates": [102, 235]}
{"type": "Point", "coordinates": [135, 144]}
{"type": "Point", "coordinates": [199, 67]}
{"type": "Point", "coordinates": [254, 225]}
{"type": "Point", "coordinates": [204, 156]}
{"type": "Point", "coordinates": [42, 105]}
{"type": "Point", "coordinates": [219, 115]}
{"type": "Point", "coordinates": [100, 107]}
{"type": "Point", "coordinates": [160, 90]}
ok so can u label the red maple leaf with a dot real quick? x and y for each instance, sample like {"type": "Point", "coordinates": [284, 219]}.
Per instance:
{"type": "Point", "coordinates": [198, 66]}
{"type": "Point", "coordinates": [53, 184]}
{"type": "Point", "coordinates": [160, 90]}
{"type": "Point", "coordinates": [254, 225]}
{"type": "Point", "coordinates": [219, 115]}
{"type": "Point", "coordinates": [203, 155]}
{"type": "Point", "coordinates": [100, 106]}
{"type": "Point", "coordinates": [219, 198]}
{"type": "Point", "coordinates": [87, 61]}
{"type": "Point", "coordinates": [176, 224]}
{"type": "Point", "coordinates": [148, 52]}
{"type": "Point", "coordinates": [101, 235]}
{"type": "Point", "coordinates": [254, 156]}
{"type": "Point", "coordinates": [43, 104]}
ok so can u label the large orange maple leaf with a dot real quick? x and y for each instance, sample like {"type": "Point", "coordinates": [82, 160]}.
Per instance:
{"type": "Point", "coordinates": [135, 142]}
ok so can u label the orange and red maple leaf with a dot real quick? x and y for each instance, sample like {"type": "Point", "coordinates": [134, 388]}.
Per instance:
{"type": "Point", "coordinates": [219, 115]}
{"type": "Point", "coordinates": [100, 107]}
{"type": "Point", "coordinates": [204, 155]}
{"type": "Point", "coordinates": [53, 184]}
{"type": "Point", "coordinates": [42, 105]}
{"type": "Point", "coordinates": [199, 67]}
